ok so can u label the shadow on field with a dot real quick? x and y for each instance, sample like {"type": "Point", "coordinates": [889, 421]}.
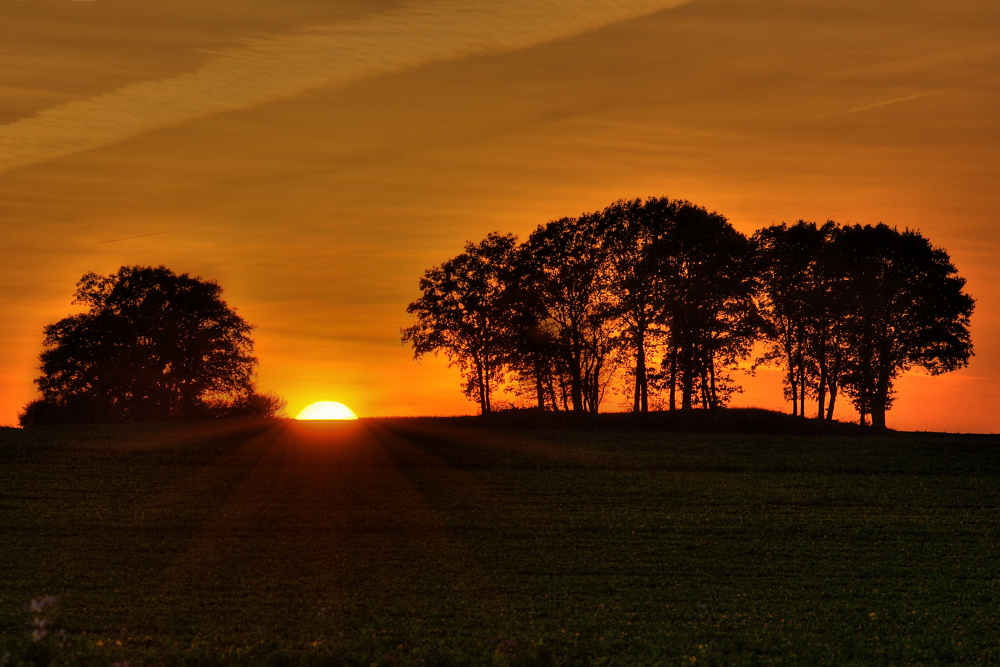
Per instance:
{"type": "Point", "coordinates": [470, 541]}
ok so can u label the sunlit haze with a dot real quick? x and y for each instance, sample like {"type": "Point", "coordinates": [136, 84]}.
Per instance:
{"type": "Point", "coordinates": [315, 157]}
{"type": "Point", "coordinates": [326, 410]}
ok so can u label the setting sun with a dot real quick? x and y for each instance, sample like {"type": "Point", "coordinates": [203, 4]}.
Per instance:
{"type": "Point", "coordinates": [327, 410]}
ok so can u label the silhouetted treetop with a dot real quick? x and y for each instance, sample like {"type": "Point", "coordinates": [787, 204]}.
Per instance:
{"type": "Point", "coordinates": [662, 299]}
{"type": "Point", "coordinates": [906, 308]}
{"type": "Point", "coordinates": [463, 313]}
{"type": "Point", "coordinates": [152, 345]}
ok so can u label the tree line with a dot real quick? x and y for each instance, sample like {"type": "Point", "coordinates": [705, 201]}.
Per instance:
{"type": "Point", "coordinates": [665, 299]}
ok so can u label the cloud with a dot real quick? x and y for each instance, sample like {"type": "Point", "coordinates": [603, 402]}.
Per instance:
{"type": "Point", "coordinates": [143, 236]}
{"type": "Point", "coordinates": [905, 98]}
{"type": "Point", "coordinates": [895, 100]}
{"type": "Point", "coordinates": [320, 57]}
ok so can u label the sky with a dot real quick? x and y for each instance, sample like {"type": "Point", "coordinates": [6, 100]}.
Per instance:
{"type": "Point", "coordinates": [316, 157]}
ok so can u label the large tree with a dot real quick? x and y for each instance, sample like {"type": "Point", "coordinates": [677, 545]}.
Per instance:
{"type": "Point", "coordinates": [151, 345]}
{"type": "Point", "coordinates": [708, 285]}
{"type": "Point", "coordinates": [633, 233]}
{"type": "Point", "coordinates": [804, 300]}
{"type": "Point", "coordinates": [566, 260]}
{"type": "Point", "coordinates": [464, 313]}
{"type": "Point", "coordinates": [907, 309]}
{"type": "Point", "coordinates": [537, 366]}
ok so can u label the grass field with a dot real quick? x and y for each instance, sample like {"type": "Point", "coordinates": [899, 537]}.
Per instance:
{"type": "Point", "coordinates": [423, 541]}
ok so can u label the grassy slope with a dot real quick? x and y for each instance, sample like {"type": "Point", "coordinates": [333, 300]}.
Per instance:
{"type": "Point", "coordinates": [442, 541]}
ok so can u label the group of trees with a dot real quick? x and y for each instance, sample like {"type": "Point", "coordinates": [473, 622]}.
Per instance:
{"type": "Point", "coordinates": [668, 299]}
{"type": "Point", "coordinates": [151, 345]}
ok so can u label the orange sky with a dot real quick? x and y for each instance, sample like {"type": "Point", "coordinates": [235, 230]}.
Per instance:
{"type": "Point", "coordinates": [316, 157]}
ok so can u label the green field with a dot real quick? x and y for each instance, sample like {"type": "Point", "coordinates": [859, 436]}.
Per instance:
{"type": "Point", "coordinates": [422, 541]}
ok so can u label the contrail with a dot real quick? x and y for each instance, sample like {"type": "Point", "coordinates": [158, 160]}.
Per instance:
{"type": "Point", "coordinates": [320, 57]}
{"type": "Point", "coordinates": [895, 100]}
{"type": "Point", "coordinates": [142, 236]}
{"type": "Point", "coordinates": [906, 98]}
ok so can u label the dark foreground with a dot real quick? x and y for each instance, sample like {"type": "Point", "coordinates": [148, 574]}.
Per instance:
{"type": "Point", "coordinates": [437, 542]}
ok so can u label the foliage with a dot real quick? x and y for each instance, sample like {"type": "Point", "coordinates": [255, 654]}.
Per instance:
{"type": "Point", "coordinates": [806, 303]}
{"type": "Point", "coordinates": [565, 262]}
{"type": "Point", "coordinates": [634, 233]}
{"type": "Point", "coordinates": [585, 298]}
{"type": "Point", "coordinates": [907, 309]}
{"type": "Point", "coordinates": [584, 305]}
{"type": "Point", "coordinates": [151, 345]}
{"type": "Point", "coordinates": [433, 542]}
{"type": "Point", "coordinates": [853, 307]}
{"type": "Point", "coordinates": [709, 309]}
{"type": "Point", "coordinates": [462, 313]}
{"type": "Point", "coordinates": [255, 405]}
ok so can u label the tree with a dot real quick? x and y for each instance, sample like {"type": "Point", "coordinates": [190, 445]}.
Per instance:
{"type": "Point", "coordinates": [534, 357]}
{"type": "Point", "coordinates": [633, 232]}
{"type": "Point", "coordinates": [152, 345]}
{"type": "Point", "coordinates": [908, 308]}
{"type": "Point", "coordinates": [463, 313]}
{"type": "Point", "coordinates": [708, 286]}
{"type": "Point", "coordinates": [565, 259]}
{"type": "Point", "coordinates": [803, 297]}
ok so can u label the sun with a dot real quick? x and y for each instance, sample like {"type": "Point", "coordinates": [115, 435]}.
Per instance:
{"type": "Point", "coordinates": [327, 410]}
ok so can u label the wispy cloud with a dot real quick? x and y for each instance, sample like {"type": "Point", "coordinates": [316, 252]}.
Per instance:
{"type": "Point", "coordinates": [895, 100]}
{"type": "Point", "coordinates": [321, 57]}
{"type": "Point", "coordinates": [161, 233]}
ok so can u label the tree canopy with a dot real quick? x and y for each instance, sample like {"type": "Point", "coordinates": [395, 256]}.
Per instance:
{"type": "Point", "coordinates": [151, 345]}
{"type": "Point", "coordinates": [462, 313]}
{"type": "Point", "coordinates": [906, 308]}
{"type": "Point", "coordinates": [662, 297]}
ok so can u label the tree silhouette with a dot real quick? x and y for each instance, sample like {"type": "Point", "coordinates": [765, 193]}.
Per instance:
{"type": "Point", "coordinates": [907, 309]}
{"type": "Point", "coordinates": [566, 261]}
{"type": "Point", "coordinates": [804, 299]}
{"type": "Point", "coordinates": [708, 290]}
{"type": "Point", "coordinates": [633, 233]}
{"type": "Point", "coordinates": [535, 360]}
{"type": "Point", "coordinates": [463, 312]}
{"type": "Point", "coordinates": [843, 309]}
{"type": "Point", "coordinates": [152, 345]}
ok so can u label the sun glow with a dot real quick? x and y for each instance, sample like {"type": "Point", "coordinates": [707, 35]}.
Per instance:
{"type": "Point", "coordinates": [327, 410]}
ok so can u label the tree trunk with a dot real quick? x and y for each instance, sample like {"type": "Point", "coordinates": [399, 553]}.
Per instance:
{"type": "Point", "coordinates": [802, 390]}
{"type": "Point", "coordinates": [832, 375]}
{"type": "Point", "coordinates": [833, 401]}
{"type": "Point", "coordinates": [673, 377]}
{"type": "Point", "coordinates": [550, 381]}
{"type": "Point", "coordinates": [687, 380]}
{"type": "Point", "coordinates": [576, 381]}
{"type": "Point", "coordinates": [713, 395]}
{"type": "Point", "coordinates": [880, 398]}
{"type": "Point", "coordinates": [792, 368]}
{"type": "Point", "coordinates": [539, 387]}
{"type": "Point", "coordinates": [793, 385]}
{"type": "Point", "coordinates": [644, 406]}
{"type": "Point", "coordinates": [878, 417]}
{"type": "Point", "coordinates": [639, 403]}
{"type": "Point", "coordinates": [484, 407]}
{"type": "Point", "coordinates": [593, 388]}
{"type": "Point", "coordinates": [821, 392]}
{"type": "Point", "coordinates": [706, 401]}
